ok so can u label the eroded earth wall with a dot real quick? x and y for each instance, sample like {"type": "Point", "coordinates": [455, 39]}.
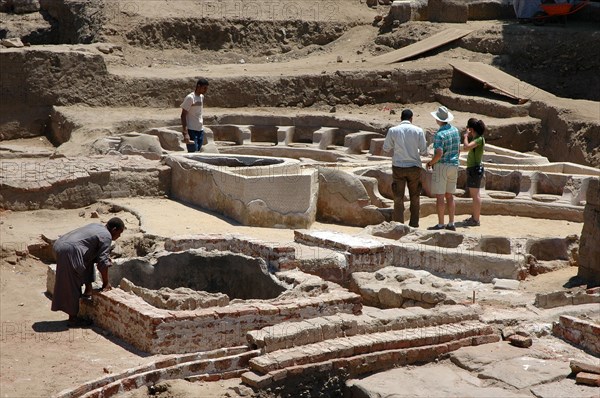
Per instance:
{"type": "Point", "coordinates": [589, 249]}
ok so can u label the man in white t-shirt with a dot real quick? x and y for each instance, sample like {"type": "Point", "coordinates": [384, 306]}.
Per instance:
{"type": "Point", "coordinates": [191, 116]}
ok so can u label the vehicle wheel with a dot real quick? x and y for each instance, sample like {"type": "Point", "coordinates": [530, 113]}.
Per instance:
{"type": "Point", "coordinates": [539, 18]}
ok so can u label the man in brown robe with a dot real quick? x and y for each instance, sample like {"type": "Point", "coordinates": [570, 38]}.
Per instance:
{"type": "Point", "coordinates": [76, 253]}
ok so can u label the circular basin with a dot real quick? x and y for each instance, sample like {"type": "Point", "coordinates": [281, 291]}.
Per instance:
{"type": "Point", "coordinates": [501, 194]}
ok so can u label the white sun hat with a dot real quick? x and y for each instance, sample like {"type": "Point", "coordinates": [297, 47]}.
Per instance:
{"type": "Point", "coordinates": [443, 114]}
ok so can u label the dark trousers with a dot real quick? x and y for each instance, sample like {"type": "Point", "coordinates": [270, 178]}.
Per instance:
{"type": "Point", "coordinates": [197, 138]}
{"type": "Point", "coordinates": [403, 176]}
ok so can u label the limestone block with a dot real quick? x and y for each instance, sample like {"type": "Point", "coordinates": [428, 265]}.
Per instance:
{"type": "Point", "coordinates": [360, 141]}
{"type": "Point", "coordinates": [506, 284]}
{"type": "Point", "coordinates": [371, 185]}
{"type": "Point", "coordinates": [495, 244]}
{"type": "Point", "coordinates": [141, 144]}
{"type": "Point", "coordinates": [12, 43]}
{"type": "Point", "coordinates": [583, 297]}
{"type": "Point", "coordinates": [390, 296]}
{"type": "Point", "coordinates": [558, 299]}
{"type": "Point", "coordinates": [588, 367]}
{"type": "Point", "coordinates": [390, 230]}
{"type": "Point", "coordinates": [50, 278]}
{"type": "Point", "coordinates": [376, 146]}
{"type": "Point", "coordinates": [285, 135]}
{"type": "Point", "coordinates": [452, 11]}
{"type": "Point", "coordinates": [412, 293]}
{"type": "Point", "coordinates": [257, 381]}
{"type": "Point", "coordinates": [401, 11]}
{"type": "Point", "coordinates": [325, 137]}
{"type": "Point", "coordinates": [433, 296]}
{"type": "Point", "coordinates": [370, 294]}
{"type": "Point", "coordinates": [344, 199]}
{"type": "Point", "coordinates": [593, 192]}
{"type": "Point", "coordinates": [589, 379]}
{"type": "Point", "coordinates": [384, 177]}
{"type": "Point", "coordinates": [169, 139]}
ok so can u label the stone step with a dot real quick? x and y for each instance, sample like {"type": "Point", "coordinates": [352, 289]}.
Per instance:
{"type": "Point", "coordinates": [366, 343]}
{"type": "Point", "coordinates": [372, 320]}
{"type": "Point", "coordinates": [207, 365]}
{"type": "Point", "coordinates": [480, 105]}
{"type": "Point", "coordinates": [361, 253]}
{"type": "Point", "coordinates": [351, 357]}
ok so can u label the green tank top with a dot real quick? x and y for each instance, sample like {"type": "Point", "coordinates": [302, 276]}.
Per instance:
{"type": "Point", "coordinates": [475, 154]}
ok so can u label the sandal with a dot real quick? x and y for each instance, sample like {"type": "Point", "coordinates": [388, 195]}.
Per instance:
{"type": "Point", "coordinates": [470, 222]}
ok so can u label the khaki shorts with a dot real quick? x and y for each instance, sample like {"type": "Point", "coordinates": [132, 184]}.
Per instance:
{"type": "Point", "coordinates": [444, 178]}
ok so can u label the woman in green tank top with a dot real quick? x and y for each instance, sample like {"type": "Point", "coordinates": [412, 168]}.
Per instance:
{"type": "Point", "coordinates": [474, 142]}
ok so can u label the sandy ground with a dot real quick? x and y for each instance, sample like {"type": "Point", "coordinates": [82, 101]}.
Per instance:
{"type": "Point", "coordinates": [40, 356]}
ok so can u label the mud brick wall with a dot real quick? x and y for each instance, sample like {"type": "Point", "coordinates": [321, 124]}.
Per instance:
{"type": "Point", "coordinates": [273, 253]}
{"type": "Point", "coordinates": [160, 331]}
{"type": "Point", "coordinates": [583, 333]}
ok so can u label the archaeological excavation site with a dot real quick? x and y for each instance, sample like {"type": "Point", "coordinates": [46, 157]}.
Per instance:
{"type": "Point", "coordinates": [268, 263]}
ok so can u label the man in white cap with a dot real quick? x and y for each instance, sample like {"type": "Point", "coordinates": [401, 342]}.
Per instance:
{"type": "Point", "coordinates": [446, 144]}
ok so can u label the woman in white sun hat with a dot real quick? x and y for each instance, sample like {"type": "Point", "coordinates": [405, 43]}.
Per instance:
{"type": "Point", "coordinates": [446, 144]}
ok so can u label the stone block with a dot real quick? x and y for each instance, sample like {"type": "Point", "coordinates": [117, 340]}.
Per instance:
{"type": "Point", "coordinates": [588, 367]}
{"type": "Point", "coordinates": [376, 146]}
{"type": "Point", "coordinates": [590, 379]}
{"type": "Point", "coordinates": [407, 10]}
{"type": "Point", "coordinates": [433, 296]}
{"type": "Point", "coordinates": [390, 297]}
{"type": "Point", "coordinates": [169, 139]}
{"type": "Point", "coordinates": [257, 381]}
{"type": "Point", "coordinates": [589, 250]}
{"type": "Point", "coordinates": [520, 341]}
{"type": "Point", "coordinates": [585, 298]}
{"type": "Point", "coordinates": [401, 11]}
{"type": "Point", "coordinates": [360, 141]}
{"type": "Point", "coordinates": [506, 284]}
{"type": "Point", "coordinates": [593, 192]}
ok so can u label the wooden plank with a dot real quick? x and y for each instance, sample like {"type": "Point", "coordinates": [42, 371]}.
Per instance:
{"type": "Point", "coordinates": [494, 79]}
{"type": "Point", "coordinates": [412, 50]}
